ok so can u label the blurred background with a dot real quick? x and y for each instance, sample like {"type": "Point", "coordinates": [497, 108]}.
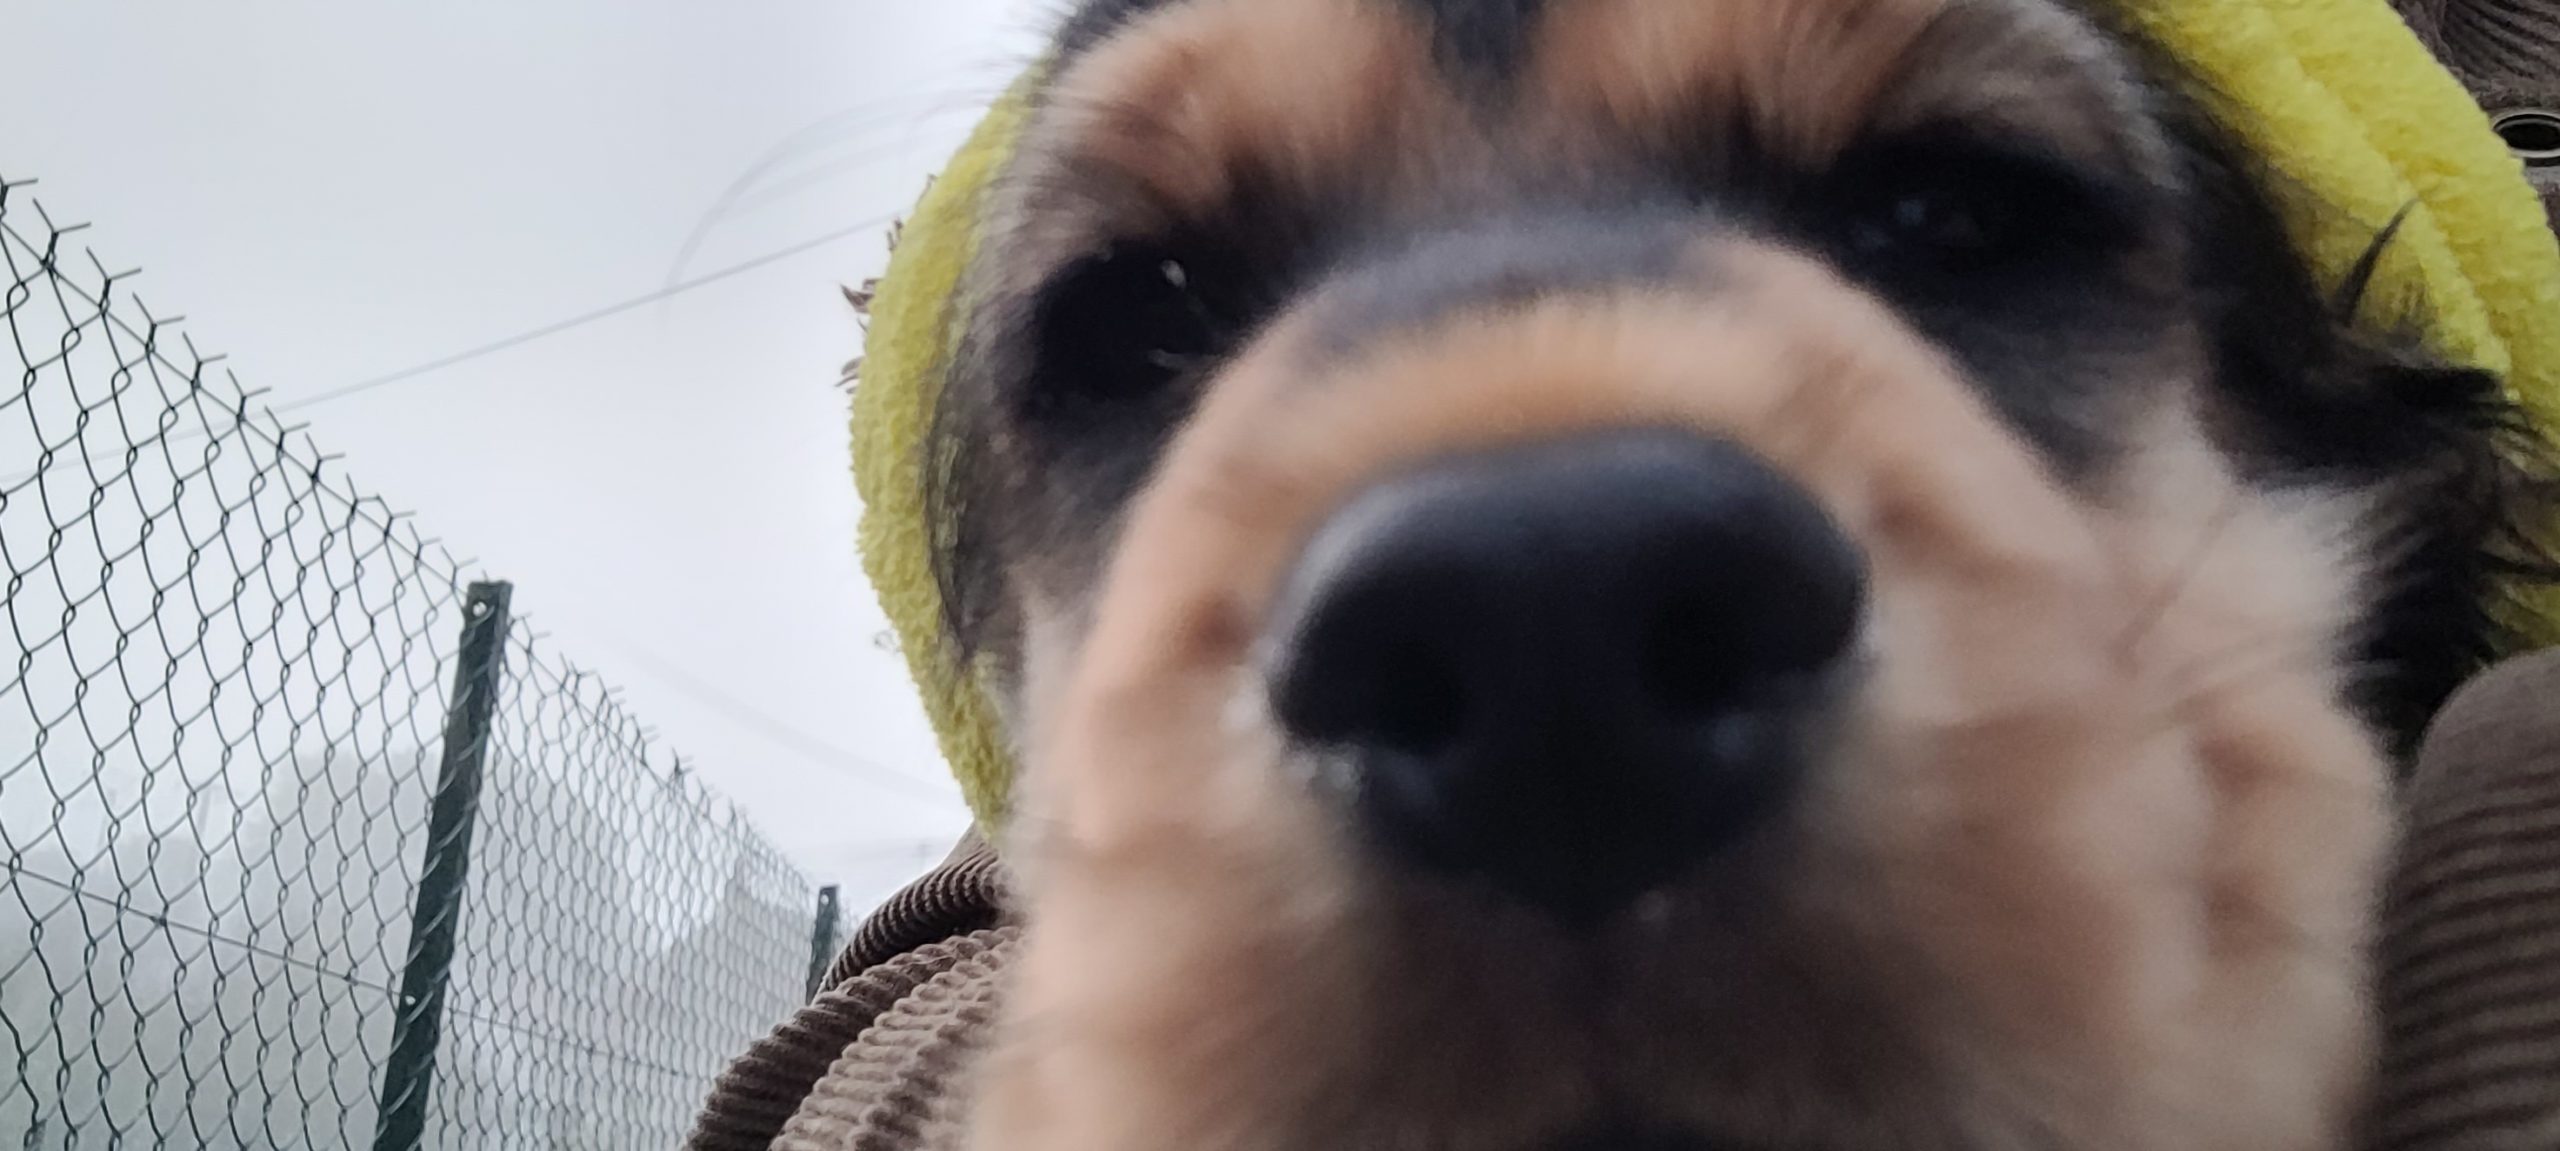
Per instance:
{"type": "Point", "coordinates": [335, 192]}
{"type": "Point", "coordinates": [326, 312]}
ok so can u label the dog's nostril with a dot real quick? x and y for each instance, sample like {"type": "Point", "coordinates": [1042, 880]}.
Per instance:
{"type": "Point", "coordinates": [1405, 699]}
{"type": "Point", "coordinates": [1686, 669]}
{"type": "Point", "coordinates": [1378, 666]}
{"type": "Point", "coordinates": [1422, 710]}
{"type": "Point", "coordinates": [1574, 668]}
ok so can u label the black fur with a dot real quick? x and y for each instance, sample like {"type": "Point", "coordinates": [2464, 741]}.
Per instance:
{"type": "Point", "coordinates": [2333, 387]}
{"type": "Point", "coordinates": [1489, 268]}
{"type": "Point", "coordinates": [1095, 20]}
{"type": "Point", "coordinates": [1481, 41]}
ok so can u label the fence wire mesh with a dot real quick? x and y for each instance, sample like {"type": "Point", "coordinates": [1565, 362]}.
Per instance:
{"type": "Point", "coordinates": [220, 741]}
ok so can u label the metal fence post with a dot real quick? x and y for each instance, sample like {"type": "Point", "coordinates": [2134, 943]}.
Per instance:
{"type": "Point", "coordinates": [822, 941]}
{"type": "Point", "coordinates": [411, 1069]}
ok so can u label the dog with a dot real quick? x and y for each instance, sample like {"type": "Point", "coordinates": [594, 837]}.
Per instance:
{"type": "Point", "coordinates": [1682, 575]}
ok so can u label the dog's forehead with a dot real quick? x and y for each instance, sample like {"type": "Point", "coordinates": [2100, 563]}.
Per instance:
{"type": "Point", "coordinates": [1484, 38]}
{"type": "Point", "coordinates": [1486, 44]}
{"type": "Point", "coordinates": [1163, 92]}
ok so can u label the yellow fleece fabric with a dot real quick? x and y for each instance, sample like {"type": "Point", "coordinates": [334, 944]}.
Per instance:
{"type": "Point", "coordinates": [2337, 97]}
{"type": "Point", "coordinates": [916, 317]}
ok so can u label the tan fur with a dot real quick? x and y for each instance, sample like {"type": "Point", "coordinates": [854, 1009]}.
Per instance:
{"type": "Point", "coordinates": [1812, 76]}
{"type": "Point", "coordinates": [1152, 126]}
{"type": "Point", "coordinates": [2023, 70]}
{"type": "Point", "coordinates": [1807, 73]}
{"type": "Point", "coordinates": [2088, 869]}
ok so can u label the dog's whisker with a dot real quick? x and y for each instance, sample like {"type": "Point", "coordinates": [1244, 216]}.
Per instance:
{"type": "Point", "coordinates": [1179, 361]}
{"type": "Point", "coordinates": [2244, 665]}
{"type": "Point", "coordinates": [1830, 406]}
{"type": "Point", "coordinates": [2157, 607]}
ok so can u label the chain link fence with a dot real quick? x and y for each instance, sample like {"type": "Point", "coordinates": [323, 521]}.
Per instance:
{"type": "Point", "coordinates": [308, 843]}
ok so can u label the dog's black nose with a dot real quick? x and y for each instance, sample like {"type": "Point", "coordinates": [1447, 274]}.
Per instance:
{"type": "Point", "coordinates": [1572, 669]}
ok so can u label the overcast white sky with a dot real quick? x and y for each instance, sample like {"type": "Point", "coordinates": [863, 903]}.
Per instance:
{"type": "Point", "coordinates": [331, 190]}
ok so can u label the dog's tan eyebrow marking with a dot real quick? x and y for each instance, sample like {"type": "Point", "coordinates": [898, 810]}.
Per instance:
{"type": "Point", "coordinates": [1480, 41]}
{"type": "Point", "coordinates": [1158, 121]}
{"type": "Point", "coordinates": [2029, 72]}
{"type": "Point", "coordinates": [1803, 76]}
{"type": "Point", "coordinates": [1810, 80]}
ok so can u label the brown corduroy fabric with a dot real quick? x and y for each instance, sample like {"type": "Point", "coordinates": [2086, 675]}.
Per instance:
{"type": "Point", "coordinates": [943, 932]}
{"type": "Point", "coordinates": [2470, 961]}
{"type": "Point", "coordinates": [965, 894]}
{"type": "Point", "coordinates": [2508, 43]}
{"type": "Point", "coordinates": [902, 1084]}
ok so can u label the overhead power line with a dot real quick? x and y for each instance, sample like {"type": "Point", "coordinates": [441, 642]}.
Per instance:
{"type": "Point", "coordinates": [519, 339]}
{"type": "Point", "coordinates": [783, 734]}
{"type": "Point", "coordinates": [493, 347]}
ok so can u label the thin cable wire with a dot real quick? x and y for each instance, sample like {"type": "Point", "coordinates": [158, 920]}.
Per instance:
{"type": "Point", "coordinates": [826, 130]}
{"type": "Point", "coordinates": [583, 319]}
{"type": "Point", "coordinates": [167, 923]}
{"type": "Point", "coordinates": [784, 734]}
{"type": "Point", "coordinates": [530, 335]}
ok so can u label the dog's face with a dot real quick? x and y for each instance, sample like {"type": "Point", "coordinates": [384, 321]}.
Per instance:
{"type": "Point", "coordinates": [1656, 573]}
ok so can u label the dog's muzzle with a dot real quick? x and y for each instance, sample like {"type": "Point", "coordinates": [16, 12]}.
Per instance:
{"type": "Point", "coordinates": [1571, 671]}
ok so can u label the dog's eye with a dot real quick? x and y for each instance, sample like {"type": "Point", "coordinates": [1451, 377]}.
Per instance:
{"type": "Point", "coordinates": [1128, 325]}
{"type": "Point", "coordinates": [1938, 220]}
{"type": "Point", "coordinates": [1942, 207]}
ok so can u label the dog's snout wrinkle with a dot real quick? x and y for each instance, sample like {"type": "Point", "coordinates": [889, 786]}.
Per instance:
{"type": "Point", "coordinates": [1572, 670]}
{"type": "Point", "coordinates": [1503, 264]}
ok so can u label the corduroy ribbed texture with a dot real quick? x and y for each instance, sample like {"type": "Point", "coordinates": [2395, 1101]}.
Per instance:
{"type": "Point", "coordinates": [902, 1084]}
{"type": "Point", "coordinates": [961, 896]}
{"type": "Point", "coordinates": [2470, 961]}
{"type": "Point", "coordinates": [2509, 44]}
{"type": "Point", "coordinates": [944, 931]}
